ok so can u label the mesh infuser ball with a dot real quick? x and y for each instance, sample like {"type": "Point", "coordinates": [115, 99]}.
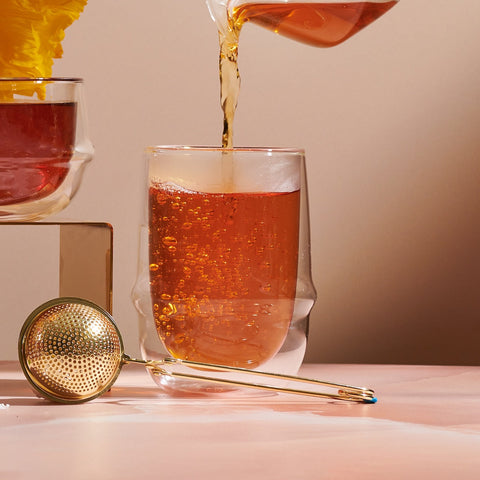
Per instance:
{"type": "Point", "coordinates": [70, 350]}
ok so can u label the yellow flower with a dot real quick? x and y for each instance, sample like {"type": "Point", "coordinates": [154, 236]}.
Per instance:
{"type": "Point", "coordinates": [31, 32]}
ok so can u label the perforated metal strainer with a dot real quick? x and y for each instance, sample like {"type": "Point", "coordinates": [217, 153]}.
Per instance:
{"type": "Point", "coordinates": [71, 351]}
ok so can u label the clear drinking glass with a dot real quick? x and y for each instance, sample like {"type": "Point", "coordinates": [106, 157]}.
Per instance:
{"type": "Point", "coordinates": [224, 266]}
{"type": "Point", "coordinates": [44, 145]}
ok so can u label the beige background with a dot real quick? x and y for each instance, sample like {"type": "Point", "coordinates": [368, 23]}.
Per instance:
{"type": "Point", "coordinates": [390, 122]}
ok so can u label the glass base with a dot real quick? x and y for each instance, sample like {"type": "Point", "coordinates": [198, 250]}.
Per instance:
{"type": "Point", "coordinates": [285, 362]}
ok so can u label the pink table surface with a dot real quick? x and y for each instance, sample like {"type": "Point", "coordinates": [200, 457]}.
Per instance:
{"type": "Point", "coordinates": [426, 425]}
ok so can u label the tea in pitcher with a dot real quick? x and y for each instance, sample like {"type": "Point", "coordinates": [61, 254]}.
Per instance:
{"type": "Point", "coordinates": [321, 24]}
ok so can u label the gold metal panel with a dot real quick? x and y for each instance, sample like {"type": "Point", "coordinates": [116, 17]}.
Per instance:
{"type": "Point", "coordinates": [43, 260]}
{"type": "Point", "coordinates": [86, 262]}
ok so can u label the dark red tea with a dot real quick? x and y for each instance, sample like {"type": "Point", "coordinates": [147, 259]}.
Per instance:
{"type": "Point", "coordinates": [36, 145]}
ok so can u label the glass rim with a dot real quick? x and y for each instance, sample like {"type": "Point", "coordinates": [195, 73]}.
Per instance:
{"type": "Point", "coordinates": [42, 79]}
{"type": "Point", "coordinates": [206, 148]}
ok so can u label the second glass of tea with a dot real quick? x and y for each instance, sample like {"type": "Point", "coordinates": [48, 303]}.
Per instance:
{"type": "Point", "coordinates": [224, 272]}
{"type": "Point", "coordinates": [44, 145]}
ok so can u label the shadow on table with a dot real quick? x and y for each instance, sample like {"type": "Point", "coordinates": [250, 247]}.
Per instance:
{"type": "Point", "coordinates": [20, 393]}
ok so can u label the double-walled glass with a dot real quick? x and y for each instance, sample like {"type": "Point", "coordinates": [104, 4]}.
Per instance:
{"type": "Point", "coordinates": [44, 145]}
{"type": "Point", "coordinates": [224, 272]}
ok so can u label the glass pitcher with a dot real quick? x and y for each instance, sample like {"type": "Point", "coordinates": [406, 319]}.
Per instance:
{"type": "Point", "coordinates": [320, 24]}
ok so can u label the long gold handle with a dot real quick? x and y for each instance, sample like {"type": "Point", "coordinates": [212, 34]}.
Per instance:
{"type": "Point", "coordinates": [344, 392]}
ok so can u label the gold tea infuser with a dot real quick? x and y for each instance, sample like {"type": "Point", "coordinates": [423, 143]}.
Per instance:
{"type": "Point", "coordinates": [71, 351]}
